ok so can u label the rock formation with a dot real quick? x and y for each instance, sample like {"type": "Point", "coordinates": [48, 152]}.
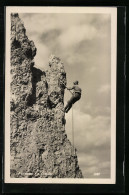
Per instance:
{"type": "Point", "coordinates": [39, 146]}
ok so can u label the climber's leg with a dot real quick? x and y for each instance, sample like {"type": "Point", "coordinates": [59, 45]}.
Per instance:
{"type": "Point", "coordinates": [69, 103]}
{"type": "Point", "coordinates": [68, 108]}
{"type": "Point", "coordinates": [73, 99]}
{"type": "Point", "coordinates": [77, 96]}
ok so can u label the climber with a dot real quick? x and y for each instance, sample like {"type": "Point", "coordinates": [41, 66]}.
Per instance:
{"type": "Point", "coordinates": [76, 95]}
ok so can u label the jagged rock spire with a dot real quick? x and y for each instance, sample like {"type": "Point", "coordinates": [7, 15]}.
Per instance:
{"type": "Point", "coordinates": [39, 144]}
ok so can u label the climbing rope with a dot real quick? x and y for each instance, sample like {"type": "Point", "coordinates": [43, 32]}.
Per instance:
{"type": "Point", "coordinates": [73, 136]}
{"type": "Point", "coordinates": [72, 130]}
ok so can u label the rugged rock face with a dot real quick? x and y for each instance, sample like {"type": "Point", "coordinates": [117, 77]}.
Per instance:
{"type": "Point", "coordinates": [39, 146]}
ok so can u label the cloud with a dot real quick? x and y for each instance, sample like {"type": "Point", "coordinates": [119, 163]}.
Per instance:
{"type": "Point", "coordinates": [41, 22]}
{"type": "Point", "coordinates": [50, 37]}
{"type": "Point", "coordinates": [58, 32]}
{"type": "Point", "coordinates": [92, 69]}
{"type": "Point", "coordinates": [105, 89]}
{"type": "Point", "coordinates": [93, 167]}
{"type": "Point", "coordinates": [76, 34]}
{"type": "Point", "coordinates": [43, 53]}
{"type": "Point", "coordinates": [99, 110]}
{"type": "Point", "coordinates": [91, 138]}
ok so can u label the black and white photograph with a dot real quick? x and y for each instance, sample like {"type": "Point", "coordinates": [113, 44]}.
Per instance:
{"type": "Point", "coordinates": [60, 95]}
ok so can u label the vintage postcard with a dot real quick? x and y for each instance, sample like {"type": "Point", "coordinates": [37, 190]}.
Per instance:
{"type": "Point", "coordinates": [60, 95]}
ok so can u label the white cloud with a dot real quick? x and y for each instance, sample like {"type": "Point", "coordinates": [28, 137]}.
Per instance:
{"type": "Point", "coordinates": [90, 160]}
{"type": "Point", "coordinates": [93, 167]}
{"type": "Point", "coordinates": [91, 137]}
{"type": "Point", "coordinates": [92, 69]}
{"type": "Point", "coordinates": [104, 88]}
{"type": "Point", "coordinates": [41, 60]}
{"type": "Point", "coordinates": [46, 22]}
{"type": "Point", "coordinates": [90, 130]}
{"type": "Point", "coordinates": [76, 34]}
{"type": "Point", "coordinates": [38, 23]}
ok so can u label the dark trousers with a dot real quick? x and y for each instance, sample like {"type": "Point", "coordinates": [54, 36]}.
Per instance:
{"type": "Point", "coordinates": [72, 100]}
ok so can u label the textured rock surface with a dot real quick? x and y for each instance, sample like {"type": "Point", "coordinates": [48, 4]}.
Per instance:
{"type": "Point", "coordinates": [39, 145]}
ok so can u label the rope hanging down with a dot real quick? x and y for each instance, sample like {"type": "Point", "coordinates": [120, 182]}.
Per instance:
{"type": "Point", "coordinates": [72, 125]}
{"type": "Point", "coordinates": [72, 128]}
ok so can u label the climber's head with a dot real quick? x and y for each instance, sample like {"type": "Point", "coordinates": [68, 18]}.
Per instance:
{"type": "Point", "coordinates": [75, 82]}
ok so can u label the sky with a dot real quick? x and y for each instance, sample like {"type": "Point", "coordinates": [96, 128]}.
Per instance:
{"type": "Point", "coordinates": [83, 42]}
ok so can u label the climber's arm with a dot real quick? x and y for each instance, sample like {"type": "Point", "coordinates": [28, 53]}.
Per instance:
{"type": "Point", "coordinates": [70, 88]}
